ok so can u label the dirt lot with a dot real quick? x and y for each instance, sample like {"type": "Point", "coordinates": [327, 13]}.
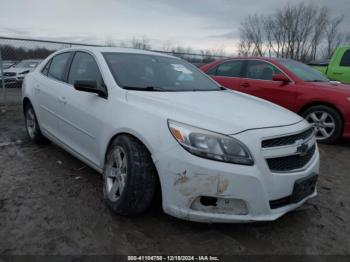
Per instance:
{"type": "Point", "coordinates": [51, 203]}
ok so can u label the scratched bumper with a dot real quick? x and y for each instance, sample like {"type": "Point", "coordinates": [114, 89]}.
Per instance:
{"type": "Point", "coordinates": [185, 178]}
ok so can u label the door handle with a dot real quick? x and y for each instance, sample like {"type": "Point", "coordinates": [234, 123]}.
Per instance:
{"type": "Point", "coordinates": [245, 85]}
{"type": "Point", "coordinates": [63, 100]}
{"type": "Point", "coordinates": [337, 73]}
{"type": "Point", "coordinates": [37, 89]}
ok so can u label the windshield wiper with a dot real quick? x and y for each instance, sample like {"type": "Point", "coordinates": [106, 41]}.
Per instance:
{"type": "Point", "coordinates": [144, 88]}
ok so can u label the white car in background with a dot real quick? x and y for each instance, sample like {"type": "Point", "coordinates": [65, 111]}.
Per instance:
{"type": "Point", "coordinates": [146, 120]}
{"type": "Point", "coordinates": [15, 74]}
{"type": "Point", "coordinates": [8, 63]}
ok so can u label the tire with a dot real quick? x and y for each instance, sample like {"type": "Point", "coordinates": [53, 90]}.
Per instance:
{"type": "Point", "coordinates": [32, 125]}
{"type": "Point", "coordinates": [327, 121]}
{"type": "Point", "coordinates": [129, 176]}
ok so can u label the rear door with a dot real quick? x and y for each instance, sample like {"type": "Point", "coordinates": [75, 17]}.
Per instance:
{"type": "Point", "coordinates": [228, 74]}
{"type": "Point", "coordinates": [47, 92]}
{"type": "Point", "coordinates": [340, 70]}
{"type": "Point", "coordinates": [258, 82]}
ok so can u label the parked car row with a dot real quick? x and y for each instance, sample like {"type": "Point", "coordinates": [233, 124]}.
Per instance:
{"type": "Point", "coordinates": [148, 122]}
{"type": "Point", "coordinates": [14, 72]}
{"type": "Point", "coordinates": [293, 85]}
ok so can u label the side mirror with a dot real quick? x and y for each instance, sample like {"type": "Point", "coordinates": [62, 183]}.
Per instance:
{"type": "Point", "coordinates": [280, 78]}
{"type": "Point", "coordinates": [90, 87]}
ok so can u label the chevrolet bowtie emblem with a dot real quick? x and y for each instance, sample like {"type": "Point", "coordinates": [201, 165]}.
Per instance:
{"type": "Point", "coordinates": [302, 149]}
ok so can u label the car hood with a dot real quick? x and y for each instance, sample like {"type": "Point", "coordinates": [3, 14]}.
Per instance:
{"type": "Point", "coordinates": [332, 85]}
{"type": "Point", "coordinates": [226, 112]}
{"type": "Point", "coordinates": [17, 70]}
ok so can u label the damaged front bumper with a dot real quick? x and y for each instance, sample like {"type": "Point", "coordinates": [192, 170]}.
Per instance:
{"type": "Point", "coordinates": [209, 191]}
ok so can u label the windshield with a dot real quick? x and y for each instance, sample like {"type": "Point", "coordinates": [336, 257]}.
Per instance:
{"type": "Point", "coordinates": [7, 65]}
{"type": "Point", "coordinates": [157, 73]}
{"type": "Point", "coordinates": [26, 64]}
{"type": "Point", "coordinates": [304, 72]}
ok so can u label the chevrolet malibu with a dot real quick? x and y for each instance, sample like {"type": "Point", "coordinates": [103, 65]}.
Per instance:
{"type": "Point", "coordinates": [148, 121]}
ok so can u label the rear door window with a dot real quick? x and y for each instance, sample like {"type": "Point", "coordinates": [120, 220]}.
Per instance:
{"type": "Point", "coordinates": [230, 69]}
{"type": "Point", "coordinates": [58, 66]}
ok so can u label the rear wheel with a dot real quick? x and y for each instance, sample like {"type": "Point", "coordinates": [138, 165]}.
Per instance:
{"type": "Point", "coordinates": [327, 122]}
{"type": "Point", "coordinates": [129, 177]}
{"type": "Point", "coordinates": [32, 126]}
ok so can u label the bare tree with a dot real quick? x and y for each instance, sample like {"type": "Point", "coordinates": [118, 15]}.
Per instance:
{"type": "Point", "coordinates": [140, 43]}
{"type": "Point", "coordinates": [252, 34]}
{"type": "Point", "coordinates": [110, 42]}
{"type": "Point", "coordinates": [333, 37]}
{"type": "Point", "coordinates": [321, 23]}
{"type": "Point", "coordinates": [296, 31]}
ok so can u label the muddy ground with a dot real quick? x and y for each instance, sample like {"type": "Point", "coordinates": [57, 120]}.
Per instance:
{"type": "Point", "coordinates": [51, 203]}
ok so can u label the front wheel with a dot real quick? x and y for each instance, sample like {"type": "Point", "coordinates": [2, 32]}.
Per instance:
{"type": "Point", "coordinates": [129, 176]}
{"type": "Point", "coordinates": [327, 122]}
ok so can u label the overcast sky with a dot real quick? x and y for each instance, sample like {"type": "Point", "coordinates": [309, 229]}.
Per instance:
{"type": "Point", "coordinates": [199, 24]}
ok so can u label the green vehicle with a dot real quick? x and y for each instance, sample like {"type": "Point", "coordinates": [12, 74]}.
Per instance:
{"type": "Point", "coordinates": [338, 68]}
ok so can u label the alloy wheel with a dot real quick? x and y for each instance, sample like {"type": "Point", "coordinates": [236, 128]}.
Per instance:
{"type": "Point", "coordinates": [116, 172]}
{"type": "Point", "coordinates": [30, 123]}
{"type": "Point", "coordinates": [323, 123]}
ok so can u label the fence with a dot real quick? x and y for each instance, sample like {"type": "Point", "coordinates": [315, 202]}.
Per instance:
{"type": "Point", "coordinates": [15, 50]}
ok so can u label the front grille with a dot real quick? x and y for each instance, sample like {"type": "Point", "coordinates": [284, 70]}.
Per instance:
{"type": "Point", "coordinates": [9, 74]}
{"type": "Point", "coordinates": [10, 80]}
{"type": "Point", "coordinates": [290, 163]}
{"type": "Point", "coordinates": [287, 140]}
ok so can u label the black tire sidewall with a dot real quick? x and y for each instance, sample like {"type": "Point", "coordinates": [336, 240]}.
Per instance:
{"type": "Point", "coordinates": [134, 177]}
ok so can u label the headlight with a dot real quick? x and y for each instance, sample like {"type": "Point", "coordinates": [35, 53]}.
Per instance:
{"type": "Point", "coordinates": [25, 72]}
{"type": "Point", "coordinates": [211, 145]}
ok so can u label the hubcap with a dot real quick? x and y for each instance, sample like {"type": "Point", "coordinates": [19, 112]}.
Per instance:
{"type": "Point", "coordinates": [30, 123]}
{"type": "Point", "coordinates": [116, 172]}
{"type": "Point", "coordinates": [323, 123]}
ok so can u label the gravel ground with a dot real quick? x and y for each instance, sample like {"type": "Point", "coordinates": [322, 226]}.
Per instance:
{"type": "Point", "coordinates": [51, 203]}
{"type": "Point", "coordinates": [10, 96]}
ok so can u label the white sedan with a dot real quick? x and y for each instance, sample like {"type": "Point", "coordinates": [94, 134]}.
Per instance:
{"type": "Point", "coordinates": [15, 74]}
{"type": "Point", "coordinates": [148, 121]}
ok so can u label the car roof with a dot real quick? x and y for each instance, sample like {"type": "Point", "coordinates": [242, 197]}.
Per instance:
{"type": "Point", "coordinates": [269, 59]}
{"type": "Point", "coordinates": [97, 49]}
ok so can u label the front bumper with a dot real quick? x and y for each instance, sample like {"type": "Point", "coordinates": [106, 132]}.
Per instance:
{"type": "Point", "coordinates": [185, 178]}
{"type": "Point", "coordinates": [12, 80]}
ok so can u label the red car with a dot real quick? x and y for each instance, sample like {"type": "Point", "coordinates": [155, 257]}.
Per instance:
{"type": "Point", "coordinates": [293, 85]}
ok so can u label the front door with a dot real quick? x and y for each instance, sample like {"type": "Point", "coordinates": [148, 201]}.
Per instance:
{"type": "Point", "coordinates": [257, 81]}
{"type": "Point", "coordinates": [82, 118]}
{"type": "Point", "coordinates": [340, 70]}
